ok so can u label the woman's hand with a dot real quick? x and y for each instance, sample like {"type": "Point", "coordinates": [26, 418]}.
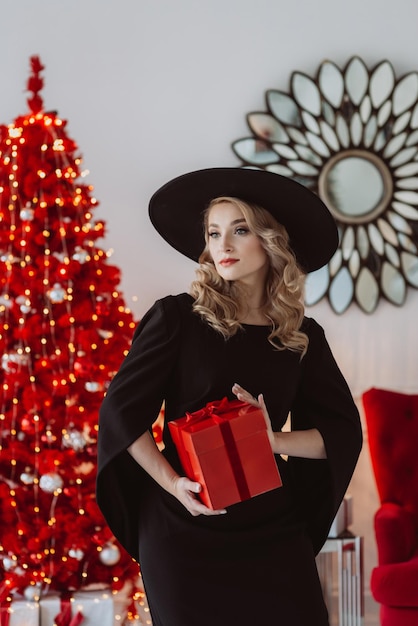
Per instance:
{"type": "Point", "coordinates": [245, 396]}
{"type": "Point", "coordinates": [147, 455]}
{"type": "Point", "coordinates": [307, 444]}
{"type": "Point", "coordinates": [185, 491]}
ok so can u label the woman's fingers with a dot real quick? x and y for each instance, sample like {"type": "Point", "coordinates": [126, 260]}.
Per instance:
{"type": "Point", "coordinates": [186, 491]}
{"type": "Point", "coordinates": [244, 395]}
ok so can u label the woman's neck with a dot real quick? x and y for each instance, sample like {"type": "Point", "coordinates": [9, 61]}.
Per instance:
{"type": "Point", "coordinates": [250, 314]}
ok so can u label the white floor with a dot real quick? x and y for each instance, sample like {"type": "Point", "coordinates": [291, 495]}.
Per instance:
{"type": "Point", "coordinates": [370, 617]}
{"type": "Point", "coordinates": [371, 612]}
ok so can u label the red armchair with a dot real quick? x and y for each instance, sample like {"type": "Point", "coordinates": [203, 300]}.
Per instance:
{"type": "Point", "coordinates": [392, 424]}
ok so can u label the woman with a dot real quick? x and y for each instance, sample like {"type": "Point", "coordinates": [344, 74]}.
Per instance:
{"type": "Point", "coordinates": [241, 332]}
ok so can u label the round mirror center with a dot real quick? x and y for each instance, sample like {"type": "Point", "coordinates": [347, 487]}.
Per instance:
{"type": "Point", "coordinates": [355, 185]}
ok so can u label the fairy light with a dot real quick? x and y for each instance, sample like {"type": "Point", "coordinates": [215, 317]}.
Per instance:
{"type": "Point", "coordinates": [54, 352]}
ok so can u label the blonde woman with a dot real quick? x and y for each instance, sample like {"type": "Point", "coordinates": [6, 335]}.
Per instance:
{"type": "Point", "coordinates": [241, 332]}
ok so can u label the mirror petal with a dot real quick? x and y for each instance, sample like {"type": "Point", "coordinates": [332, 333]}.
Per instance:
{"type": "Point", "coordinates": [300, 167]}
{"type": "Point", "coordinates": [414, 117]}
{"type": "Point", "coordinates": [403, 156]}
{"type": "Point", "coordinates": [331, 83]}
{"type": "Point", "coordinates": [392, 255]}
{"type": "Point", "coordinates": [356, 80]}
{"type": "Point", "coordinates": [306, 93]}
{"type": "Point", "coordinates": [254, 151]}
{"type": "Point", "coordinates": [277, 168]}
{"type": "Point", "coordinates": [335, 262]}
{"type": "Point", "coordinates": [376, 239]}
{"type": "Point", "coordinates": [363, 244]}
{"type": "Point", "coordinates": [308, 155]}
{"type": "Point", "coordinates": [266, 127]}
{"type": "Point", "coordinates": [394, 145]}
{"type": "Point", "coordinates": [407, 183]}
{"type": "Point", "coordinates": [382, 82]}
{"type": "Point", "coordinates": [405, 210]}
{"type": "Point", "coordinates": [393, 284]}
{"type": "Point", "coordinates": [407, 170]}
{"type": "Point", "coordinates": [317, 144]}
{"type": "Point", "coordinates": [365, 109]}
{"type": "Point", "coordinates": [384, 113]}
{"type": "Point", "coordinates": [285, 151]}
{"type": "Point", "coordinates": [370, 131]}
{"type": "Point", "coordinates": [342, 131]}
{"type": "Point", "coordinates": [316, 285]}
{"type": "Point", "coordinates": [412, 138]}
{"type": "Point", "coordinates": [387, 231]}
{"type": "Point", "coordinates": [341, 291]}
{"type": "Point", "coordinates": [328, 113]}
{"type": "Point", "coordinates": [407, 243]}
{"type": "Point", "coordinates": [401, 123]}
{"type": "Point", "coordinates": [283, 107]}
{"type": "Point", "coordinates": [380, 141]}
{"type": "Point", "coordinates": [405, 94]}
{"type": "Point", "coordinates": [354, 263]}
{"type": "Point", "coordinates": [329, 136]}
{"type": "Point", "coordinates": [410, 267]}
{"type": "Point", "coordinates": [347, 244]}
{"type": "Point", "coordinates": [367, 290]}
{"type": "Point", "coordinates": [399, 223]}
{"type": "Point", "coordinates": [310, 122]}
{"type": "Point", "coordinates": [297, 136]}
{"type": "Point", "coordinates": [411, 197]}
{"type": "Point", "coordinates": [356, 129]}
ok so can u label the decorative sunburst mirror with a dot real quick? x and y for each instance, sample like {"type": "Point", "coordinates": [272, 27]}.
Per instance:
{"type": "Point", "coordinates": [351, 136]}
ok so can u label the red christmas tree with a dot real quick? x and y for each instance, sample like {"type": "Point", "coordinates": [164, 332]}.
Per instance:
{"type": "Point", "coordinates": [64, 330]}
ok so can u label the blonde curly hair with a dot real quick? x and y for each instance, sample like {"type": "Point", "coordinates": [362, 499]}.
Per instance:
{"type": "Point", "coordinates": [219, 302]}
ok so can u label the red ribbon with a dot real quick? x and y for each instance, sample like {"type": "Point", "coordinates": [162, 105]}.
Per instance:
{"type": "Point", "coordinates": [212, 410]}
{"type": "Point", "coordinates": [64, 617]}
{"type": "Point", "coordinates": [4, 615]}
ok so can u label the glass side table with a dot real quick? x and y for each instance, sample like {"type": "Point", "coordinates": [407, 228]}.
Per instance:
{"type": "Point", "coordinates": [340, 568]}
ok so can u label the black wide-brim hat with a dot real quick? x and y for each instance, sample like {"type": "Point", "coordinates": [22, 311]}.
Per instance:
{"type": "Point", "coordinates": [176, 211]}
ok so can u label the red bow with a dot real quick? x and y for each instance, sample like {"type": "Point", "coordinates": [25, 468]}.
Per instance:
{"type": "Point", "coordinates": [64, 617]}
{"type": "Point", "coordinates": [211, 410]}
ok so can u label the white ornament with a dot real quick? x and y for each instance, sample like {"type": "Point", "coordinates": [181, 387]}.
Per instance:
{"type": "Point", "coordinates": [9, 564]}
{"type": "Point", "coordinates": [51, 482]}
{"type": "Point", "coordinates": [32, 593]}
{"type": "Point", "coordinates": [80, 255]}
{"type": "Point", "coordinates": [12, 361]}
{"type": "Point", "coordinates": [57, 294]}
{"type": "Point", "coordinates": [24, 303]}
{"type": "Point", "coordinates": [27, 478]}
{"type": "Point", "coordinates": [27, 214]}
{"type": "Point", "coordinates": [110, 555]}
{"type": "Point", "coordinates": [105, 334]}
{"type": "Point", "coordinates": [93, 386]}
{"type": "Point", "coordinates": [75, 440]}
{"type": "Point", "coordinates": [5, 301]}
{"type": "Point", "coordinates": [76, 553]}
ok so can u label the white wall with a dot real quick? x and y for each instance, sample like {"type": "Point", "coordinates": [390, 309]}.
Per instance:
{"type": "Point", "coordinates": [154, 88]}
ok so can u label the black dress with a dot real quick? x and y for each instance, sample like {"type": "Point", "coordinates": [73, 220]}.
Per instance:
{"type": "Point", "coordinates": [254, 565]}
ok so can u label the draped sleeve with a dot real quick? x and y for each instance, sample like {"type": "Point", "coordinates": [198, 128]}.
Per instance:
{"type": "Point", "coordinates": [131, 405]}
{"type": "Point", "coordinates": [324, 401]}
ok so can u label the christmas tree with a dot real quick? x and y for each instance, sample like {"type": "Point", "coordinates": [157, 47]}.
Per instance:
{"type": "Point", "coordinates": [64, 330]}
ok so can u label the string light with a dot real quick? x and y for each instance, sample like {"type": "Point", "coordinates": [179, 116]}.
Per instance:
{"type": "Point", "coordinates": [64, 331]}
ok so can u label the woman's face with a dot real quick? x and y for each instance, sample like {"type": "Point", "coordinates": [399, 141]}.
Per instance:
{"type": "Point", "coordinates": [236, 252]}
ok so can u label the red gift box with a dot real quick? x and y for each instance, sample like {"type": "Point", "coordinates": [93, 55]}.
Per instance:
{"type": "Point", "coordinates": [225, 448]}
